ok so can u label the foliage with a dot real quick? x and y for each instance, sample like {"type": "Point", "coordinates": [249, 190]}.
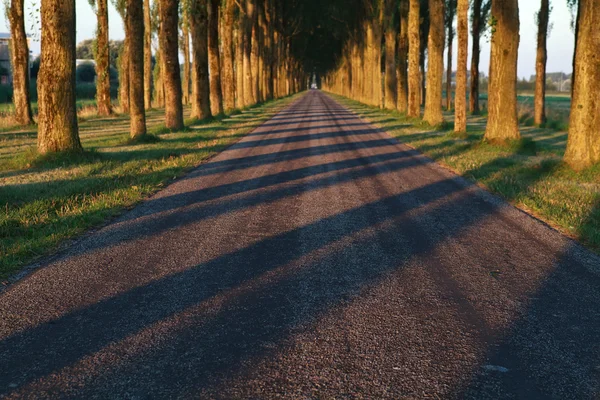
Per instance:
{"type": "Point", "coordinates": [85, 50]}
{"type": "Point", "coordinates": [86, 72]}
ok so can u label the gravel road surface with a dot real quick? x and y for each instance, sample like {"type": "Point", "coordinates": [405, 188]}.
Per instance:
{"type": "Point", "coordinates": [316, 258]}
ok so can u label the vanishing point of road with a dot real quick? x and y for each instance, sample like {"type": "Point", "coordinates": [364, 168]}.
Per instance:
{"type": "Point", "coordinates": [316, 258]}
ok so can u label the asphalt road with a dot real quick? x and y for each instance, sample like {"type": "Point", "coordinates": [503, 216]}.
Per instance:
{"type": "Point", "coordinates": [316, 258]}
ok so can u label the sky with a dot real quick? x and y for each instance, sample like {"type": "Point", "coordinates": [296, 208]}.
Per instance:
{"type": "Point", "coordinates": [560, 40]}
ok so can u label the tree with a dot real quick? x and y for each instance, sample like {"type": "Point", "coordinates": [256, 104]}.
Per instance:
{"type": "Point", "coordinates": [248, 18]}
{"type": "Point", "coordinates": [540, 63]}
{"type": "Point", "coordinates": [147, 55]}
{"type": "Point", "coordinates": [85, 72]}
{"type": "Point", "coordinates": [201, 84]}
{"type": "Point", "coordinates": [449, 21]}
{"type": "Point", "coordinates": [169, 42]}
{"type": "Point", "coordinates": [391, 84]}
{"type": "Point", "coordinates": [57, 115]}
{"type": "Point", "coordinates": [85, 48]}
{"type": "Point", "coordinates": [135, 50]}
{"type": "Point", "coordinates": [214, 59]}
{"type": "Point", "coordinates": [228, 55]}
{"type": "Point", "coordinates": [185, 45]}
{"type": "Point", "coordinates": [460, 106]}
{"type": "Point", "coordinates": [102, 57]}
{"type": "Point", "coordinates": [583, 145]}
{"type": "Point", "coordinates": [19, 54]}
{"type": "Point", "coordinates": [414, 53]}
{"type": "Point", "coordinates": [402, 65]}
{"type": "Point", "coordinates": [479, 16]}
{"type": "Point", "coordinates": [502, 93]}
{"type": "Point", "coordinates": [435, 71]}
{"type": "Point", "coordinates": [123, 59]}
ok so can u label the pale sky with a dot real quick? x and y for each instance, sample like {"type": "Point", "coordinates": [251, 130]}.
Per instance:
{"type": "Point", "coordinates": [560, 41]}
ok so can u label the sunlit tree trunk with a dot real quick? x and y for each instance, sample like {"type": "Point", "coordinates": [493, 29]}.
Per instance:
{"type": "Point", "coordinates": [248, 19]}
{"type": "Point", "coordinates": [228, 56]}
{"type": "Point", "coordinates": [214, 59]}
{"type": "Point", "coordinates": [391, 84]}
{"type": "Point", "coordinates": [502, 94]}
{"type": "Point", "coordinates": [414, 53]}
{"type": "Point", "coordinates": [124, 72]}
{"type": "Point", "coordinates": [57, 115]}
{"type": "Point", "coordinates": [169, 41]}
{"type": "Point", "coordinates": [254, 54]}
{"type": "Point", "coordinates": [403, 58]}
{"type": "Point", "coordinates": [540, 64]}
{"type": "Point", "coordinates": [201, 91]}
{"type": "Point", "coordinates": [102, 60]}
{"type": "Point", "coordinates": [239, 66]}
{"type": "Point", "coordinates": [147, 55]}
{"type": "Point", "coordinates": [583, 146]}
{"type": "Point", "coordinates": [187, 72]}
{"type": "Point", "coordinates": [19, 52]}
{"type": "Point", "coordinates": [450, 43]}
{"type": "Point", "coordinates": [135, 29]}
{"type": "Point", "coordinates": [460, 106]}
{"type": "Point", "coordinates": [435, 71]}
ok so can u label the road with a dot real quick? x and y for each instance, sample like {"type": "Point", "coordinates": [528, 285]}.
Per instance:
{"type": "Point", "coordinates": [316, 258]}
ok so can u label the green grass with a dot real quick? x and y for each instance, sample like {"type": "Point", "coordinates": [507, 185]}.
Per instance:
{"type": "Point", "coordinates": [46, 200]}
{"type": "Point", "coordinates": [529, 173]}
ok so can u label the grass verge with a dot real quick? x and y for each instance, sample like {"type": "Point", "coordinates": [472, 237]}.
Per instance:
{"type": "Point", "coordinates": [48, 200]}
{"type": "Point", "coordinates": [528, 173]}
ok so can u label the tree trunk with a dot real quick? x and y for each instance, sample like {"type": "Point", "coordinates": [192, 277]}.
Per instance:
{"type": "Point", "coordinates": [254, 54]}
{"type": "Point", "coordinates": [435, 71]}
{"type": "Point", "coordinates": [476, 34]}
{"type": "Point", "coordinates": [414, 53]}
{"type": "Point", "coordinates": [57, 115]}
{"type": "Point", "coordinates": [450, 37]}
{"type": "Point", "coordinates": [169, 41]}
{"type": "Point", "coordinates": [583, 146]}
{"type": "Point", "coordinates": [102, 60]}
{"type": "Point", "coordinates": [185, 31]}
{"type": "Point", "coordinates": [391, 84]}
{"type": "Point", "coordinates": [460, 106]}
{"type": "Point", "coordinates": [214, 59]}
{"type": "Point", "coordinates": [502, 94]}
{"type": "Point", "coordinates": [403, 58]}
{"type": "Point", "coordinates": [239, 65]}
{"type": "Point", "coordinates": [135, 29]}
{"type": "Point", "coordinates": [540, 64]}
{"type": "Point", "coordinates": [147, 55]}
{"type": "Point", "coordinates": [19, 52]}
{"type": "Point", "coordinates": [201, 91]}
{"type": "Point", "coordinates": [124, 73]}
{"type": "Point", "coordinates": [228, 56]}
{"type": "Point", "coordinates": [247, 66]}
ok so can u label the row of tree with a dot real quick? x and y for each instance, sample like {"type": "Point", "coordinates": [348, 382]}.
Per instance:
{"type": "Point", "coordinates": [406, 32]}
{"type": "Point", "coordinates": [236, 53]}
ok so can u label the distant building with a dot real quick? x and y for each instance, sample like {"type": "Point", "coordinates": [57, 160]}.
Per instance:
{"type": "Point", "coordinates": [6, 75]}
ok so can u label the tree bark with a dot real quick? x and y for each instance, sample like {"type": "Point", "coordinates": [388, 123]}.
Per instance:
{"type": "Point", "coordinates": [228, 56]}
{"type": "Point", "coordinates": [475, 53]}
{"type": "Point", "coordinates": [19, 52]}
{"type": "Point", "coordinates": [248, 19]}
{"type": "Point", "coordinates": [502, 94]}
{"type": "Point", "coordinates": [450, 40]}
{"type": "Point", "coordinates": [583, 145]}
{"type": "Point", "coordinates": [435, 71]}
{"type": "Point", "coordinates": [201, 90]}
{"type": "Point", "coordinates": [391, 83]}
{"type": "Point", "coordinates": [124, 71]}
{"type": "Point", "coordinates": [147, 55]}
{"type": "Point", "coordinates": [254, 54]}
{"type": "Point", "coordinates": [460, 106]}
{"type": "Point", "coordinates": [414, 53]}
{"type": "Point", "coordinates": [214, 58]}
{"type": "Point", "coordinates": [540, 64]}
{"type": "Point", "coordinates": [169, 41]}
{"type": "Point", "coordinates": [403, 58]}
{"type": "Point", "coordinates": [239, 64]}
{"type": "Point", "coordinates": [135, 29]}
{"type": "Point", "coordinates": [185, 31]}
{"type": "Point", "coordinates": [102, 60]}
{"type": "Point", "coordinates": [57, 115]}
